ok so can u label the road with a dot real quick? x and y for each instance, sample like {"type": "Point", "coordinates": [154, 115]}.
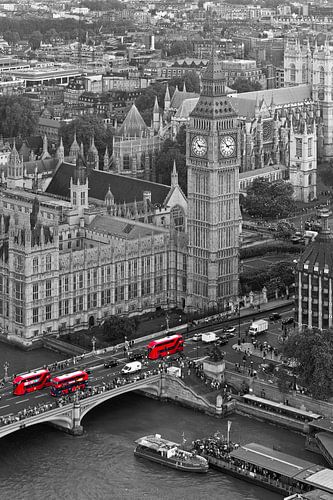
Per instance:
{"type": "Point", "coordinates": [98, 374]}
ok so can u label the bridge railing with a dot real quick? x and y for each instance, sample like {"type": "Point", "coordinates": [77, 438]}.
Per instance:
{"type": "Point", "coordinates": [118, 382]}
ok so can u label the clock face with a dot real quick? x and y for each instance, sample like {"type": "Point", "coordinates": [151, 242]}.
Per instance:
{"type": "Point", "coordinates": [199, 146]}
{"type": "Point", "coordinates": [227, 146]}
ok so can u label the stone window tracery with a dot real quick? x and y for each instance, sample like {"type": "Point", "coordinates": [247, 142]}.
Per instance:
{"type": "Point", "coordinates": [178, 218]}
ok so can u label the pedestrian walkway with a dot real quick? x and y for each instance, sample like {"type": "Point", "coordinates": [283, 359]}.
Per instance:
{"type": "Point", "coordinates": [264, 351]}
{"type": "Point", "coordinates": [271, 305]}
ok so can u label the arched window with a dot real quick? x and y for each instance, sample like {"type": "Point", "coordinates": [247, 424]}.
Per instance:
{"type": "Point", "coordinates": [292, 73]}
{"type": "Point", "coordinates": [321, 76]}
{"type": "Point", "coordinates": [310, 180]}
{"type": "Point", "coordinates": [304, 74]}
{"type": "Point", "coordinates": [178, 218]}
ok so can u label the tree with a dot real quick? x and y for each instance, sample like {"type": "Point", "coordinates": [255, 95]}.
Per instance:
{"type": "Point", "coordinates": [18, 118]}
{"type": "Point", "coordinates": [50, 35]}
{"type": "Point", "coordinates": [35, 39]}
{"type": "Point", "coordinates": [181, 48]}
{"type": "Point", "coordinates": [326, 175]}
{"type": "Point", "coordinates": [268, 200]}
{"type": "Point", "coordinates": [12, 37]}
{"type": "Point", "coordinates": [145, 102]}
{"type": "Point", "coordinates": [311, 355]}
{"type": "Point", "coordinates": [285, 230]}
{"type": "Point", "coordinates": [191, 79]}
{"type": "Point", "coordinates": [116, 328]}
{"type": "Point", "coordinates": [85, 128]}
{"type": "Point", "coordinates": [273, 277]}
{"type": "Point", "coordinates": [245, 85]}
{"type": "Point", "coordinates": [171, 152]}
{"type": "Point", "coordinates": [284, 380]}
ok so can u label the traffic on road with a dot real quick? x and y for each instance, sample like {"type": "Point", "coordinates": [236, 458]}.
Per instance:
{"type": "Point", "coordinates": [105, 371]}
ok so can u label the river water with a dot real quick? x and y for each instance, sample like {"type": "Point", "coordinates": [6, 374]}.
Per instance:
{"type": "Point", "coordinates": [41, 462]}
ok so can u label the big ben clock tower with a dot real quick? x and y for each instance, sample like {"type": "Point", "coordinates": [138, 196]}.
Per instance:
{"type": "Point", "coordinates": [213, 159]}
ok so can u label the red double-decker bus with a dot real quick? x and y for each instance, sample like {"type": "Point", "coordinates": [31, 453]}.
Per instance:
{"type": "Point", "coordinates": [165, 347]}
{"type": "Point", "coordinates": [69, 382]}
{"type": "Point", "coordinates": [30, 382]}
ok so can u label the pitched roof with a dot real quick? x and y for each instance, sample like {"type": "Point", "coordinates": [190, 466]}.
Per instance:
{"type": "Point", "coordinates": [133, 125]}
{"type": "Point", "coordinates": [49, 122]}
{"type": "Point", "coordinates": [283, 96]}
{"type": "Point", "coordinates": [186, 107]}
{"type": "Point", "coordinates": [179, 97]}
{"type": "Point", "coordinates": [214, 102]}
{"type": "Point", "coordinates": [124, 228]}
{"type": "Point", "coordinates": [124, 189]}
{"type": "Point", "coordinates": [46, 165]}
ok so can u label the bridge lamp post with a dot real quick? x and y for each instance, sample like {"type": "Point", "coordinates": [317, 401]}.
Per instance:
{"type": "Point", "coordinates": [167, 321]}
{"type": "Point", "coordinates": [5, 367]}
{"type": "Point", "coordinates": [93, 341]}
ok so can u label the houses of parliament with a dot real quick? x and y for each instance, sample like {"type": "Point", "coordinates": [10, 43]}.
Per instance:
{"type": "Point", "coordinates": [79, 244]}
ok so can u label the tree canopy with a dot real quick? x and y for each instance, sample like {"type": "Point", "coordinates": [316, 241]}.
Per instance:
{"type": "Point", "coordinates": [116, 328]}
{"type": "Point", "coordinates": [274, 277]}
{"type": "Point", "coordinates": [86, 127]}
{"type": "Point", "coordinates": [326, 175]}
{"type": "Point", "coordinates": [181, 48]}
{"type": "Point", "coordinates": [245, 85]}
{"type": "Point", "coordinates": [311, 355]}
{"type": "Point", "coordinates": [268, 199]}
{"type": "Point", "coordinates": [170, 152]}
{"type": "Point", "coordinates": [145, 102]}
{"type": "Point", "coordinates": [18, 117]}
{"type": "Point", "coordinates": [191, 80]}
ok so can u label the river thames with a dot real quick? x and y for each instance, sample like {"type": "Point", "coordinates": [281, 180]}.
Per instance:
{"type": "Point", "coordinates": [42, 462]}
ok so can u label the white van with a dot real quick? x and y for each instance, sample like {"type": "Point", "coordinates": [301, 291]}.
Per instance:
{"type": "Point", "coordinates": [133, 367]}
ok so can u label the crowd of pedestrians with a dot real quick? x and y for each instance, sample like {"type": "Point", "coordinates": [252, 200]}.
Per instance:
{"type": "Point", "coordinates": [31, 411]}
{"type": "Point", "coordinates": [118, 381]}
{"type": "Point", "coordinates": [220, 449]}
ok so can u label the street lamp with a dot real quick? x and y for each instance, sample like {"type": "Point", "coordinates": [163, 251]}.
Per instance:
{"type": "Point", "coordinates": [5, 368]}
{"type": "Point", "coordinates": [167, 321]}
{"type": "Point", "coordinates": [93, 341]}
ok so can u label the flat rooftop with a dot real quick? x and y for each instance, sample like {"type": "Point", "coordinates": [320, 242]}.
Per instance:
{"type": "Point", "coordinates": [50, 72]}
{"type": "Point", "coordinates": [42, 198]}
{"type": "Point", "coordinates": [126, 229]}
{"type": "Point", "coordinates": [275, 461]}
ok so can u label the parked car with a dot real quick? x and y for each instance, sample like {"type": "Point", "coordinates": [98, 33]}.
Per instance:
{"type": "Point", "coordinates": [111, 363]}
{"type": "Point", "coordinates": [197, 337]}
{"type": "Point", "coordinates": [274, 316]}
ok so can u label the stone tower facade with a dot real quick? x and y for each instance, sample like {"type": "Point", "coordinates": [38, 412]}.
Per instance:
{"type": "Point", "coordinates": [213, 160]}
{"type": "Point", "coordinates": [308, 63]}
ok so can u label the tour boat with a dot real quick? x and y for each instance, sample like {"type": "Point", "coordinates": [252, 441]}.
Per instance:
{"type": "Point", "coordinates": [165, 452]}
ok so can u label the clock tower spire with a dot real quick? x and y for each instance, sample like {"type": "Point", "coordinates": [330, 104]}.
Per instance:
{"type": "Point", "coordinates": [213, 159]}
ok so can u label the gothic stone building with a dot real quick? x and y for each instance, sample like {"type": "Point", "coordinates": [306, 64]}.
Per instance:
{"type": "Point", "coordinates": [66, 264]}
{"type": "Point", "coordinates": [279, 132]}
{"type": "Point", "coordinates": [307, 63]}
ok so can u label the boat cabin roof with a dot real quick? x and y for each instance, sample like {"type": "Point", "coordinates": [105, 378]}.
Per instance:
{"type": "Point", "coordinates": [156, 443]}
